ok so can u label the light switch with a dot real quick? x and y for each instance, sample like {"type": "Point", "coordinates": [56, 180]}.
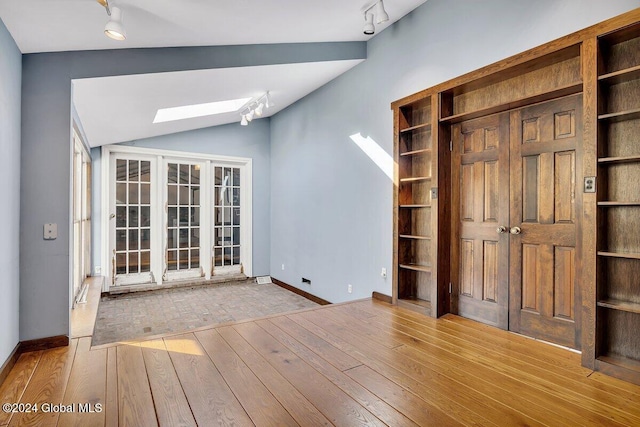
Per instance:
{"type": "Point", "coordinates": [50, 231]}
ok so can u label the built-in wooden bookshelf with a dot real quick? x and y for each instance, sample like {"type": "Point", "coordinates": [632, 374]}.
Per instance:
{"type": "Point", "coordinates": [448, 139]}
{"type": "Point", "coordinates": [618, 255]}
{"type": "Point", "coordinates": [413, 246]}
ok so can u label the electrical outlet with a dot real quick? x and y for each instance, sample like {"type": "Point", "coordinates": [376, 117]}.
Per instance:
{"type": "Point", "coordinates": [282, 266]}
{"type": "Point", "coordinates": [383, 273]}
{"type": "Point", "coordinates": [349, 288]}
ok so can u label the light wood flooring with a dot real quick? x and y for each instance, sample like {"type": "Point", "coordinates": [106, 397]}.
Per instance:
{"type": "Point", "coordinates": [361, 363]}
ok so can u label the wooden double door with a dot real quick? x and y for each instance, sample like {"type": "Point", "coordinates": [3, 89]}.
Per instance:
{"type": "Point", "coordinates": [515, 197]}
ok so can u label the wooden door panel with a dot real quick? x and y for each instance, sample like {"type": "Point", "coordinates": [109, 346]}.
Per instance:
{"type": "Point", "coordinates": [545, 163]}
{"type": "Point", "coordinates": [481, 177]}
{"type": "Point", "coordinates": [564, 282]}
{"type": "Point", "coordinates": [564, 187]}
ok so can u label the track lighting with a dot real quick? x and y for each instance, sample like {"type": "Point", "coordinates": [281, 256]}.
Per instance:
{"type": "Point", "coordinates": [258, 109]}
{"type": "Point", "coordinates": [114, 28]}
{"type": "Point", "coordinates": [381, 16]}
{"type": "Point", "coordinates": [368, 24]}
{"type": "Point", "coordinates": [255, 108]}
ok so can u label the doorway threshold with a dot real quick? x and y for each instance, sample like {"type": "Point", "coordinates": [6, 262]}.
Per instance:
{"type": "Point", "coordinates": [148, 287]}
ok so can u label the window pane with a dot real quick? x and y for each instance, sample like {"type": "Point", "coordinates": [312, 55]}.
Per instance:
{"type": "Point", "coordinates": [133, 262]}
{"type": "Point", "coordinates": [121, 216]}
{"type": "Point", "coordinates": [121, 194]}
{"type": "Point", "coordinates": [145, 216]}
{"type": "Point", "coordinates": [121, 240]}
{"type": "Point", "coordinates": [172, 260]}
{"type": "Point", "coordinates": [236, 235]}
{"type": "Point", "coordinates": [145, 171]}
{"type": "Point", "coordinates": [236, 256]}
{"type": "Point", "coordinates": [121, 263]}
{"type": "Point", "coordinates": [172, 219]}
{"type": "Point", "coordinates": [217, 196]}
{"type": "Point", "coordinates": [133, 240]}
{"type": "Point", "coordinates": [121, 170]}
{"type": "Point", "coordinates": [184, 195]}
{"type": "Point", "coordinates": [145, 194]}
{"type": "Point", "coordinates": [172, 239]}
{"type": "Point", "coordinates": [226, 256]}
{"type": "Point", "coordinates": [133, 216]}
{"type": "Point", "coordinates": [184, 174]}
{"type": "Point", "coordinates": [184, 260]}
{"type": "Point", "coordinates": [217, 236]}
{"type": "Point", "coordinates": [184, 238]}
{"type": "Point", "coordinates": [172, 196]}
{"type": "Point", "coordinates": [236, 177]}
{"type": "Point", "coordinates": [145, 238]}
{"type": "Point", "coordinates": [195, 174]}
{"type": "Point", "coordinates": [217, 257]}
{"type": "Point", "coordinates": [195, 217]}
{"type": "Point", "coordinates": [217, 180]}
{"type": "Point", "coordinates": [145, 261]}
{"type": "Point", "coordinates": [236, 216]}
{"type": "Point", "coordinates": [134, 174]}
{"type": "Point", "coordinates": [195, 258]}
{"type": "Point", "coordinates": [133, 194]}
{"type": "Point", "coordinates": [195, 195]}
{"type": "Point", "coordinates": [184, 216]}
{"type": "Point", "coordinates": [195, 238]}
{"type": "Point", "coordinates": [217, 216]}
{"type": "Point", "coordinates": [173, 173]}
{"type": "Point", "coordinates": [236, 197]}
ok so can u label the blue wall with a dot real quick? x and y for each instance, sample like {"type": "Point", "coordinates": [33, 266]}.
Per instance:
{"type": "Point", "coordinates": [331, 210]}
{"type": "Point", "coordinates": [230, 140]}
{"type": "Point", "coordinates": [46, 151]}
{"type": "Point", "coordinates": [10, 84]}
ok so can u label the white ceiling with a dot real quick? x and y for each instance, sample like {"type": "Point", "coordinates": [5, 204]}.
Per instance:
{"type": "Point", "coordinates": [60, 25]}
{"type": "Point", "coordinates": [118, 109]}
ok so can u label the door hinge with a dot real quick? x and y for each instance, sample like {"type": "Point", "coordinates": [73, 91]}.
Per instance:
{"type": "Point", "coordinates": [451, 145]}
{"type": "Point", "coordinates": [450, 287]}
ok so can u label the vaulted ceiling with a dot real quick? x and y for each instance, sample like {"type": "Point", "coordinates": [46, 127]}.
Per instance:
{"type": "Point", "coordinates": [68, 25]}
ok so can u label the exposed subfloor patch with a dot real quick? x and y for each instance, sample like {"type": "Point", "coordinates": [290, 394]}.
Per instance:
{"type": "Point", "coordinates": [147, 314]}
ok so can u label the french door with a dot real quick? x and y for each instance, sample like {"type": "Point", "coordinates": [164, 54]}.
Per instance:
{"type": "Point", "coordinates": [132, 219]}
{"type": "Point", "coordinates": [177, 218]}
{"type": "Point", "coordinates": [515, 185]}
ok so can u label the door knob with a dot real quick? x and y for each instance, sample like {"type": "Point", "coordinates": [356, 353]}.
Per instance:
{"type": "Point", "coordinates": [502, 229]}
{"type": "Point", "coordinates": [112, 216]}
{"type": "Point", "coordinates": [515, 230]}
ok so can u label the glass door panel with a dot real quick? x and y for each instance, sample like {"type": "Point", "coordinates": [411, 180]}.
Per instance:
{"type": "Point", "coordinates": [183, 221]}
{"type": "Point", "coordinates": [132, 221]}
{"type": "Point", "coordinates": [226, 221]}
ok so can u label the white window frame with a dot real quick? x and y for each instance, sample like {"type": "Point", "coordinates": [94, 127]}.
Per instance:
{"type": "Point", "coordinates": [162, 157]}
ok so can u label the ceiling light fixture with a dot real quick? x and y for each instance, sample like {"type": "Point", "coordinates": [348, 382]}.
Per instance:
{"type": "Point", "coordinates": [114, 28]}
{"type": "Point", "coordinates": [255, 108]}
{"type": "Point", "coordinates": [380, 13]}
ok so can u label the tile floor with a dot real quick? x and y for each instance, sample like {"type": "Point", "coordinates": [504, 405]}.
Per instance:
{"type": "Point", "coordinates": [130, 316]}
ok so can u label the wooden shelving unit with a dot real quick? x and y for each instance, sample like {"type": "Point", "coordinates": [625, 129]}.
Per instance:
{"type": "Point", "coordinates": [618, 255]}
{"type": "Point", "coordinates": [448, 142]}
{"type": "Point", "coordinates": [413, 252]}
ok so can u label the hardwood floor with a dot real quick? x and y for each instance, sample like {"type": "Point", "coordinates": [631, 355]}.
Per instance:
{"type": "Point", "coordinates": [360, 363]}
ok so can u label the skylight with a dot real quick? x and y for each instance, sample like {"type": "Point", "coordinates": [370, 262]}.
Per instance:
{"type": "Point", "coordinates": [199, 110]}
